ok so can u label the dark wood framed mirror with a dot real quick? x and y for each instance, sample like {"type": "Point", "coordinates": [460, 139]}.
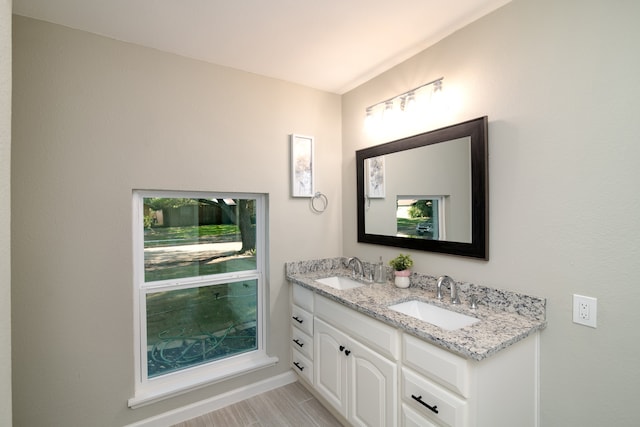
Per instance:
{"type": "Point", "coordinates": [427, 192]}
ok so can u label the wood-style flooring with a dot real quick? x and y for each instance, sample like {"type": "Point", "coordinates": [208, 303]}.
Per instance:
{"type": "Point", "coordinates": [288, 406]}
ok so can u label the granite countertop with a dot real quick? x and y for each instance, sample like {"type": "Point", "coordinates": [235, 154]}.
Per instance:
{"type": "Point", "coordinates": [505, 317]}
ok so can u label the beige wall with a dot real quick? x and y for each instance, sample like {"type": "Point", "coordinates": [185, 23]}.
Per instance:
{"type": "Point", "coordinates": [95, 118]}
{"type": "Point", "coordinates": [559, 83]}
{"type": "Point", "coordinates": [5, 212]}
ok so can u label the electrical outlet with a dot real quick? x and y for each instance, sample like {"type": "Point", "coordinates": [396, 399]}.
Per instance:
{"type": "Point", "coordinates": [585, 310]}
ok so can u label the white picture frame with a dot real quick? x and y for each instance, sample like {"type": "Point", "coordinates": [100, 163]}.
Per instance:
{"type": "Point", "coordinates": [302, 167]}
{"type": "Point", "coordinates": [375, 177]}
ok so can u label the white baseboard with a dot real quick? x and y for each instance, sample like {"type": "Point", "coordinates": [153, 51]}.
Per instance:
{"type": "Point", "coordinates": [217, 402]}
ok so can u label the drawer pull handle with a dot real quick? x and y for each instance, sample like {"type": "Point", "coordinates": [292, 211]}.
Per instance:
{"type": "Point", "coordinates": [298, 342]}
{"type": "Point", "coordinates": [298, 366]}
{"type": "Point", "coordinates": [434, 408]}
{"type": "Point", "coordinates": [297, 319]}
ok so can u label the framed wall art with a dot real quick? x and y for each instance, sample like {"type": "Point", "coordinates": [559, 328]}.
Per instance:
{"type": "Point", "coordinates": [302, 168]}
{"type": "Point", "coordinates": [375, 177]}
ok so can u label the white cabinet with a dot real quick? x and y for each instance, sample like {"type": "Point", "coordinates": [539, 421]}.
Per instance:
{"type": "Point", "coordinates": [331, 369]}
{"type": "Point", "coordinates": [449, 390]}
{"type": "Point", "coordinates": [375, 375]}
{"type": "Point", "coordinates": [356, 381]}
{"type": "Point", "coordinates": [373, 388]}
{"type": "Point", "coordinates": [355, 364]}
{"type": "Point", "coordinates": [302, 332]}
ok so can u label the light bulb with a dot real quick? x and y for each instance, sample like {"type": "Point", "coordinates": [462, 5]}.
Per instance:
{"type": "Point", "coordinates": [410, 102]}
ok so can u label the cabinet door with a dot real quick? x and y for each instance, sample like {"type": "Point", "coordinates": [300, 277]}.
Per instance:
{"type": "Point", "coordinates": [372, 387]}
{"type": "Point", "coordinates": [331, 365]}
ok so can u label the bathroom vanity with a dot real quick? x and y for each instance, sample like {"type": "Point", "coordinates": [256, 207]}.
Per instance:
{"type": "Point", "coordinates": [377, 367]}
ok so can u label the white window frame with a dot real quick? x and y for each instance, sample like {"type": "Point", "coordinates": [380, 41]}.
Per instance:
{"type": "Point", "coordinates": [441, 214]}
{"type": "Point", "coordinates": [150, 390]}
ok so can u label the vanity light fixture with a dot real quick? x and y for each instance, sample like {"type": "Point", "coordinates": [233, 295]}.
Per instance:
{"type": "Point", "coordinates": [408, 102]}
{"type": "Point", "coordinates": [437, 85]}
{"type": "Point", "coordinates": [405, 104]}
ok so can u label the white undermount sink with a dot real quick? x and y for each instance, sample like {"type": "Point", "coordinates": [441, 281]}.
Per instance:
{"type": "Point", "coordinates": [441, 317]}
{"type": "Point", "coordinates": [340, 282]}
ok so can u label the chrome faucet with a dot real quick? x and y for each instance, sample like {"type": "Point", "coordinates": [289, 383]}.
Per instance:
{"type": "Point", "coordinates": [356, 263]}
{"type": "Point", "coordinates": [452, 285]}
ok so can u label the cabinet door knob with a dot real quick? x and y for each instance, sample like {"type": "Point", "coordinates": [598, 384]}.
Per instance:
{"type": "Point", "coordinates": [347, 352]}
{"type": "Point", "coordinates": [341, 348]}
{"type": "Point", "coordinates": [433, 408]}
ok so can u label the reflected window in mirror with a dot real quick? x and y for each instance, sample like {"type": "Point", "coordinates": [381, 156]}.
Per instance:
{"type": "Point", "coordinates": [421, 217]}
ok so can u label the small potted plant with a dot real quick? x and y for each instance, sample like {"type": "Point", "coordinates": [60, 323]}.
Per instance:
{"type": "Point", "coordinates": [401, 266]}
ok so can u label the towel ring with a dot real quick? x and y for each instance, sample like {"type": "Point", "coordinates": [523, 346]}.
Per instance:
{"type": "Point", "coordinates": [322, 201]}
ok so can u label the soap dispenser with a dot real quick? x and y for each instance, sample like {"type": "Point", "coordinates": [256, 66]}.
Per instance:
{"type": "Point", "coordinates": [380, 276]}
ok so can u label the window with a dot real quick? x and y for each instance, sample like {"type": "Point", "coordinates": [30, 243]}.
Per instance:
{"type": "Point", "coordinates": [420, 217]}
{"type": "Point", "coordinates": [199, 288]}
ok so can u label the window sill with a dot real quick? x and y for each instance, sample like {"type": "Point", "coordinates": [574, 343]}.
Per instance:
{"type": "Point", "coordinates": [172, 385]}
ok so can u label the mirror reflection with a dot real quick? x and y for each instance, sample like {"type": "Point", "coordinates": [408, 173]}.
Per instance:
{"type": "Point", "coordinates": [427, 191]}
{"type": "Point", "coordinates": [430, 190]}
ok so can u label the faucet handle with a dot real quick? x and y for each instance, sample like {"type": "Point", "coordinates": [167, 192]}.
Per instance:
{"type": "Point", "coordinates": [474, 300]}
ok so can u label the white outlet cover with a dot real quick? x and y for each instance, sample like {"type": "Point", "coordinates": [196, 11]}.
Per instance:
{"type": "Point", "coordinates": [585, 310]}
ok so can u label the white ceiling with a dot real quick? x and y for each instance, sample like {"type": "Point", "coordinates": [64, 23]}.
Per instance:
{"type": "Point", "coordinates": [332, 45]}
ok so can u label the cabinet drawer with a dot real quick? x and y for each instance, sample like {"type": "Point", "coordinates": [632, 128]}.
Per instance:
{"type": "Point", "coordinates": [441, 366]}
{"type": "Point", "coordinates": [452, 410]}
{"type": "Point", "coordinates": [302, 319]}
{"type": "Point", "coordinates": [301, 365]}
{"type": "Point", "coordinates": [382, 338]}
{"type": "Point", "coordinates": [303, 297]}
{"type": "Point", "coordinates": [411, 418]}
{"type": "Point", "coordinates": [302, 342]}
